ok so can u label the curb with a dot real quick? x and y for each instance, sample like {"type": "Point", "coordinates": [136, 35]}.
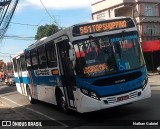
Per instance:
{"type": "Point", "coordinates": [152, 74]}
{"type": "Point", "coordinates": [154, 85]}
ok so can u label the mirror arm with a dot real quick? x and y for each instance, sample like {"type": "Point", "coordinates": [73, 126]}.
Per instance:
{"type": "Point", "coordinates": [74, 64]}
{"type": "Point", "coordinates": [70, 44]}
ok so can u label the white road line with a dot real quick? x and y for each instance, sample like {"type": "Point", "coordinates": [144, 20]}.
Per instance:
{"type": "Point", "coordinates": [36, 112]}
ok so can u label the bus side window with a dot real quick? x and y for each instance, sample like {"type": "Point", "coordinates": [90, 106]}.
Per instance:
{"type": "Point", "coordinates": [51, 55]}
{"type": "Point", "coordinates": [23, 63]}
{"type": "Point", "coordinates": [28, 61]}
{"type": "Point", "coordinates": [15, 64]}
{"type": "Point", "coordinates": [42, 57]}
{"type": "Point", "coordinates": [34, 60]}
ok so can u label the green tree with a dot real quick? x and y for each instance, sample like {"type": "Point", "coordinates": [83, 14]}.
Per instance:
{"type": "Point", "coordinates": [45, 31]}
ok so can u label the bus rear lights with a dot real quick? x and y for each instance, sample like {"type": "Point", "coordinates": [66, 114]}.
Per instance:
{"type": "Point", "coordinates": [90, 93]}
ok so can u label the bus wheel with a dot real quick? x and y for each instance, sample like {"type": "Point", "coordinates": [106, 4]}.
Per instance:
{"type": "Point", "coordinates": [31, 100]}
{"type": "Point", "coordinates": [62, 103]}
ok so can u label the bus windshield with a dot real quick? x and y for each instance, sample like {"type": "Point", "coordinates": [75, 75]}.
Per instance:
{"type": "Point", "coordinates": [108, 54]}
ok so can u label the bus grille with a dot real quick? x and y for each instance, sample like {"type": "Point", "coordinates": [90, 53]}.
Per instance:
{"type": "Point", "coordinates": [114, 80]}
{"type": "Point", "coordinates": [111, 100]}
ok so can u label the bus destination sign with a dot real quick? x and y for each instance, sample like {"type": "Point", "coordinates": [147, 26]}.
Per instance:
{"type": "Point", "coordinates": [102, 26]}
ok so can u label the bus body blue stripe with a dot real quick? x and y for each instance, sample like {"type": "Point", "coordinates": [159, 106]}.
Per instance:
{"type": "Point", "coordinates": [86, 83]}
{"type": "Point", "coordinates": [44, 80]}
{"type": "Point", "coordinates": [25, 80]}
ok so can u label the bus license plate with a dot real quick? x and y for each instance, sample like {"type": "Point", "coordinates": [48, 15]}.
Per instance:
{"type": "Point", "coordinates": [123, 98]}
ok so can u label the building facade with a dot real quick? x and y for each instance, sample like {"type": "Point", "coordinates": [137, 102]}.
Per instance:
{"type": "Point", "coordinates": [146, 13]}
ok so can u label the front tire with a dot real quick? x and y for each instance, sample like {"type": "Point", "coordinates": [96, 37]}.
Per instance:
{"type": "Point", "coordinates": [30, 98]}
{"type": "Point", "coordinates": [62, 103]}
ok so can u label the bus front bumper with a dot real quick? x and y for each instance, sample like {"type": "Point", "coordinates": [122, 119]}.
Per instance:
{"type": "Point", "coordinates": [88, 104]}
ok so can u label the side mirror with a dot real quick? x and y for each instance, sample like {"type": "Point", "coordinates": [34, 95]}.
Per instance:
{"type": "Point", "coordinates": [123, 33]}
{"type": "Point", "coordinates": [72, 56]}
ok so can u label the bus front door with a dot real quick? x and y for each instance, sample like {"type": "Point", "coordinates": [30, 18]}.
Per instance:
{"type": "Point", "coordinates": [68, 78]}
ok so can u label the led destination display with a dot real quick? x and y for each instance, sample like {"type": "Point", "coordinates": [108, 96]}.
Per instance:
{"type": "Point", "coordinates": [107, 25]}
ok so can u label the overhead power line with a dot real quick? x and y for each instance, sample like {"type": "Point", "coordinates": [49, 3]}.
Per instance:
{"type": "Point", "coordinates": [7, 9]}
{"type": "Point", "coordinates": [17, 37]}
{"type": "Point", "coordinates": [6, 53]}
{"type": "Point", "coordinates": [5, 56]}
{"type": "Point", "coordinates": [24, 24]}
{"type": "Point", "coordinates": [49, 14]}
{"type": "Point", "coordinates": [14, 36]}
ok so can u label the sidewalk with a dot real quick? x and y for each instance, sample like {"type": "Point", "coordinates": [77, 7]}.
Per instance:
{"type": "Point", "coordinates": [154, 79]}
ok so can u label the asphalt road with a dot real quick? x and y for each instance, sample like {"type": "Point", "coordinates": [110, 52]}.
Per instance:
{"type": "Point", "coordinates": [17, 107]}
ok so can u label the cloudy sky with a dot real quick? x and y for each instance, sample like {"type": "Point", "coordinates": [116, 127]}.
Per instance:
{"type": "Point", "coordinates": [60, 4]}
{"type": "Point", "coordinates": [31, 13]}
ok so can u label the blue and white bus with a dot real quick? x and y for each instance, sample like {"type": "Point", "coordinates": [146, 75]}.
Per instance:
{"type": "Point", "coordinates": [87, 67]}
{"type": "Point", "coordinates": [21, 73]}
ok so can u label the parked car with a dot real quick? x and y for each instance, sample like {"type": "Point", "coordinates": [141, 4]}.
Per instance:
{"type": "Point", "coordinates": [10, 80]}
{"type": "Point", "coordinates": [158, 69]}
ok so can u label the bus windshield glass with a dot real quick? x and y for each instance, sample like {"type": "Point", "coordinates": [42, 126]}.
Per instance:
{"type": "Point", "coordinates": [97, 56]}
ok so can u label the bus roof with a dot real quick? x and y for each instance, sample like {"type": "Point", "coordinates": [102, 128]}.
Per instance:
{"type": "Point", "coordinates": [108, 19]}
{"type": "Point", "coordinates": [64, 31]}
{"type": "Point", "coordinates": [19, 53]}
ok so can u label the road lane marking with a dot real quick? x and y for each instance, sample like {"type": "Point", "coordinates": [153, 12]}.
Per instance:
{"type": "Point", "coordinates": [36, 112]}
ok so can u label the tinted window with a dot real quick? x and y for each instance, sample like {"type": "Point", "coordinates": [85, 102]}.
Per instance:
{"type": "Point", "coordinates": [23, 63]}
{"type": "Point", "coordinates": [51, 55]}
{"type": "Point", "coordinates": [34, 59]}
{"type": "Point", "coordinates": [42, 57]}
{"type": "Point", "coordinates": [28, 61]}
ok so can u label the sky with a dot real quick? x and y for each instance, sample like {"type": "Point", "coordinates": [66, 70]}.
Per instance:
{"type": "Point", "coordinates": [30, 14]}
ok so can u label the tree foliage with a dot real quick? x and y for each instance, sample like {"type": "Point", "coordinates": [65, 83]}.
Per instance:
{"type": "Point", "coordinates": [45, 31]}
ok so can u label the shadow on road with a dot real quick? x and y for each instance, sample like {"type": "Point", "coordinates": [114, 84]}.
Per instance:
{"type": "Point", "coordinates": [7, 89]}
{"type": "Point", "coordinates": [142, 110]}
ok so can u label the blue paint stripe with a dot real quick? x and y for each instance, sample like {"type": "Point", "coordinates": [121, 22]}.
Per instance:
{"type": "Point", "coordinates": [45, 80]}
{"type": "Point", "coordinates": [25, 80]}
{"type": "Point", "coordinates": [86, 83]}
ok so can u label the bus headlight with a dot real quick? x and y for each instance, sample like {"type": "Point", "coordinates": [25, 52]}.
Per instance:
{"type": "Point", "coordinates": [91, 94]}
{"type": "Point", "coordinates": [144, 83]}
{"type": "Point", "coordinates": [84, 91]}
